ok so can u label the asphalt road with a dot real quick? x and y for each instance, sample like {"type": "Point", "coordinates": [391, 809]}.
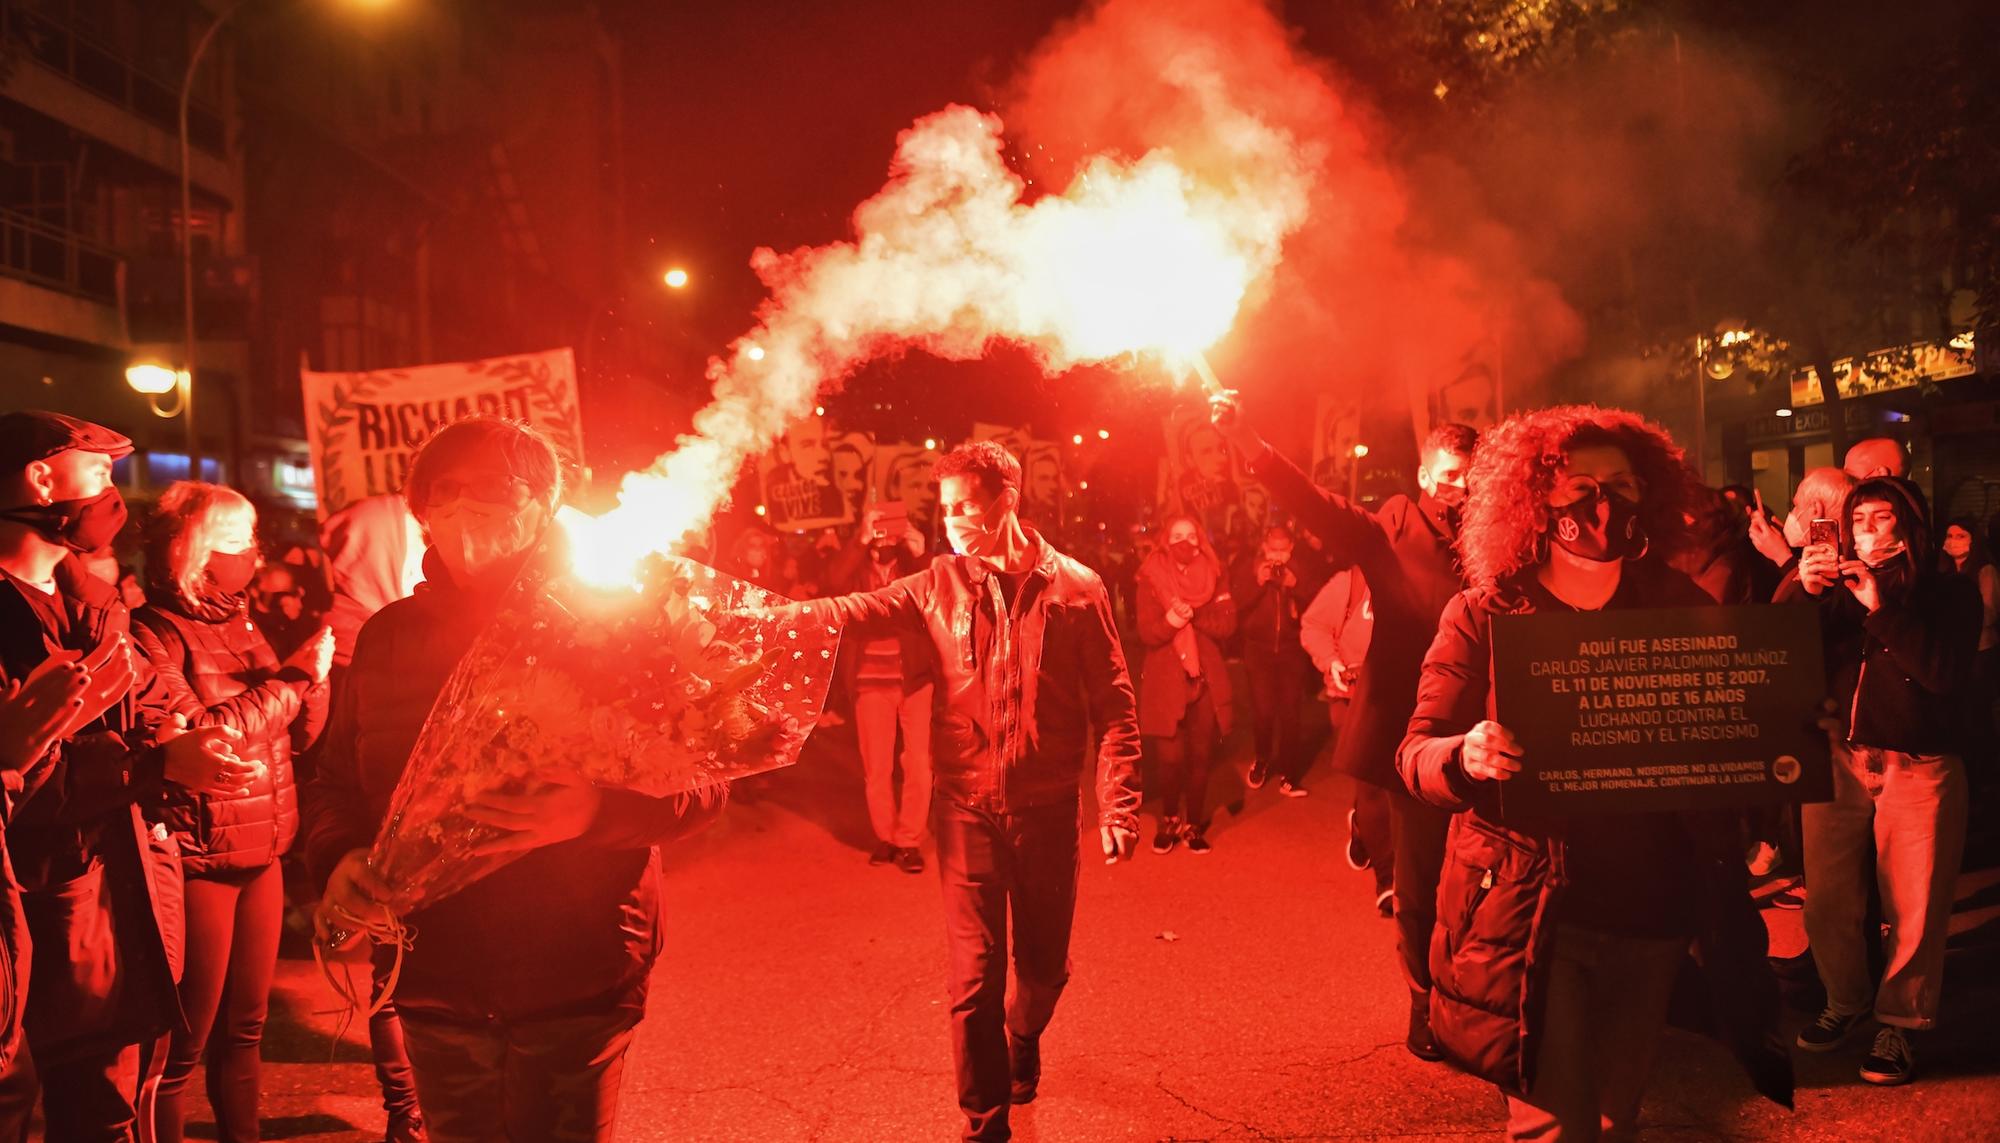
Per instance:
{"type": "Point", "coordinates": [1250, 994]}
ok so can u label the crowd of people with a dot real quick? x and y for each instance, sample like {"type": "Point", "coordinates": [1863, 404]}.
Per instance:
{"type": "Point", "coordinates": [198, 753]}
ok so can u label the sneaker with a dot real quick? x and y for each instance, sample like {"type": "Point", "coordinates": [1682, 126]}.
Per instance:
{"type": "Point", "coordinates": [1167, 835]}
{"type": "Point", "coordinates": [910, 860]}
{"type": "Point", "coordinates": [1787, 899]}
{"type": "Point", "coordinates": [1197, 839]}
{"type": "Point", "coordinates": [883, 855]}
{"type": "Point", "coordinates": [1830, 1031]}
{"type": "Point", "coordinates": [1890, 1061]}
{"type": "Point", "coordinates": [1291, 789]}
{"type": "Point", "coordinates": [1385, 904]}
{"type": "Point", "coordinates": [1025, 1057]}
{"type": "Point", "coordinates": [1255, 779]}
{"type": "Point", "coordinates": [1420, 1042]}
{"type": "Point", "coordinates": [1357, 852]}
{"type": "Point", "coordinates": [1763, 859]}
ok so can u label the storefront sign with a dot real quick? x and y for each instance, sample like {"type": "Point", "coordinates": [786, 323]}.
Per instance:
{"type": "Point", "coordinates": [1662, 709]}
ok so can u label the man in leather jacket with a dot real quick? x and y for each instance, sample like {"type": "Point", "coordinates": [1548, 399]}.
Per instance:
{"type": "Point", "coordinates": [1030, 681]}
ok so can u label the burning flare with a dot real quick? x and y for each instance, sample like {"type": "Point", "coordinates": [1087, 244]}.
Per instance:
{"type": "Point", "coordinates": [1149, 258]}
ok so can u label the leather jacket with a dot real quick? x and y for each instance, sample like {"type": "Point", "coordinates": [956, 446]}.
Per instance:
{"type": "Point", "coordinates": [1025, 692]}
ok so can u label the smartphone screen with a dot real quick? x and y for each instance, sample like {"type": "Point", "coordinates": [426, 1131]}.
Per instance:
{"type": "Point", "coordinates": [1824, 533]}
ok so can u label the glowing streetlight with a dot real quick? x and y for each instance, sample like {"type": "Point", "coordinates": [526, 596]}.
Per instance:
{"type": "Point", "coordinates": [676, 279]}
{"type": "Point", "coordinates": [1360, 451]}
{"type": "Point", "coordinates": [1077, 439]}
{"type": "Point", "coordinates": [762, 511]}
{"type": "Point", "coordinates": [154, 380]}
{"type": "Point", "coordinates": [930, 444]}
{"type": "Point", "coordinates": [754, 353]}
{"type": "Point", "coordinates": [819, 410]}
{"type": "Point", "coordinates": [1104, 434]}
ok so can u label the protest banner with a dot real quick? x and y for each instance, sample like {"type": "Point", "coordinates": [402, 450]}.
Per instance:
{"type": "Point", "coordinates": [363, 428]}
{"type": "Point", "coordinates": [1662, 709]}
{"type": "Point", "coordinates": [798, 479]}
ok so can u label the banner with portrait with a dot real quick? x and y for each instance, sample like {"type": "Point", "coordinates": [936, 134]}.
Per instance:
{"type": "Point", "coordinates": [903, 475]}
{"type": "Point", "coordinates": [1202, 476]}
{"type": "Point", "coordinates": [797, 478]}
{"type": "Point", "coordinates": [363, 428]}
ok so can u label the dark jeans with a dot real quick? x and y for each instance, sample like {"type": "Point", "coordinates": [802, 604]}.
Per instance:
{"type": "Point", "coordinates": [392, 1057]}
{"type": "Point", "coordinates": [1420, 836]}
{"type": "Point", "coordinates": [233, 924]}
{"type": "Point", "coordinates": [1373, 815]}
{"type": "Point", "coordinates": [91, 1097]}
{"type": "Point", "coordinates": [1183, 759]}
{"type": "Point", "coordinates": [1278, 682]}
{"type": "Point", "coordinates": [528, 1081]}
{"type": "Point", "coordinates": [1026, 863]}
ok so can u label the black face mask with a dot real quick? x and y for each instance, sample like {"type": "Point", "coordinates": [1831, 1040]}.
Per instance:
{"type": "Point", "coordinates": [1575, 529]}
{"type": "Point", "coordinates": [83, 525]}
{"type": "Point", "coordinates": [1185, 550]}
{"type": "Point", "coordinates": [882, 554]}
{"type": "Point", "coordinates": [231, 572]}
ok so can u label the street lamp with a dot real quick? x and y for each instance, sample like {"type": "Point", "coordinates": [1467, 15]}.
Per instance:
{"type": "Point", "coordinates": [1354, 473]}
{"type": "Point", "coordinates": [187, 234]}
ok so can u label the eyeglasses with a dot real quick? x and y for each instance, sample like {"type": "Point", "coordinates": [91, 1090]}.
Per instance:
{"type": "Point", "coordinates": [509, 492]}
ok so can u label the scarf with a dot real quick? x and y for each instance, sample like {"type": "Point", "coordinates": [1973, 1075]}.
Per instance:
{"type": "Point", "coordinates": [1193, 585]}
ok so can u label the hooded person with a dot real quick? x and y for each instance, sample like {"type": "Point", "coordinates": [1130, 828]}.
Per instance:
{"type": "Point", "coordinates": [1901, 637]}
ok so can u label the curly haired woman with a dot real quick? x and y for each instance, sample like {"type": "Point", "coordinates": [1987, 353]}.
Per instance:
{"type": "Point", "coordinates": [1558, 942]}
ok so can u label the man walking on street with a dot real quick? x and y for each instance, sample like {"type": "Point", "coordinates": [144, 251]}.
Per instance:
{"type": "Point", "coordinates": [1404, 552]}
{"type": "Point", "coordinates": [1033, 681]}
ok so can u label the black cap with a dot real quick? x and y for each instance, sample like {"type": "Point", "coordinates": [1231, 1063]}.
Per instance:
{"type": "Point", "coordinates": [33, 434]}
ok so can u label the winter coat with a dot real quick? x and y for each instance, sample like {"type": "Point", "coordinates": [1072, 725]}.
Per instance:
{"type": "Point", "coordinates": [1025, 692]}
{"type": "Point", "coordinates": [1503, 886]}
{"type": "Point", "coordinates": [1268, 613]}
{"type": "Point", "coordinates": [218, 670]}
{"type": "Point", "coordinates": [1165, 690]}
{"type": "Point", "coordinates": [1404, 552]}
{"type": "Point", "coordinates": [567, 929]}
{"type": "Point", "coordinates": [101, 882]}
{"type": "Point", "coordinates": [1903, 674]}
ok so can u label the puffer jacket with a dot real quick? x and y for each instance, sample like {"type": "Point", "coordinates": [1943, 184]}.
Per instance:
{"type": "Point", "coordinates": [1501, 893]}
{"type": "Point", "coordinates": [1164, 686]}
{"type": "Point", "coordinates": [567, 929]}
{"type": "Point", "coordinates": [1901, 674]}
{"type": "Point", "coordinates": [220, 671]}
{"type": "Point", "coordinates": [1025, 693]}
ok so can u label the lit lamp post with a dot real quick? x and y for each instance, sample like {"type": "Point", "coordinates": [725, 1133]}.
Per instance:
{"type": "Point", "coordinates": [187, 239]}
{"type": "Point", "coordinates": [1354, 473]}
{"type": "Point", "coordinates": [155, 381]}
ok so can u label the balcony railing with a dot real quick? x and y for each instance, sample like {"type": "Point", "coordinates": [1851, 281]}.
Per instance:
{"type": "Point", "coordinates": [42, 254]}
{"type": "Point", "coordinates": [46, 33]}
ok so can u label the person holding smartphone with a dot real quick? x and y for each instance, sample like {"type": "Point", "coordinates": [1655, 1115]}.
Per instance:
{"type": "Point", "coordinates": [1901, 637]}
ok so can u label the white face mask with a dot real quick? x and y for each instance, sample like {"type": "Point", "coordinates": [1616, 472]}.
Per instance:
{"type": "Point", "coordinates": [967, 537]}
{"type": "Point", "coordinates": [471, 537]}
{"type": "Point", "coordinates": [1877, 548]}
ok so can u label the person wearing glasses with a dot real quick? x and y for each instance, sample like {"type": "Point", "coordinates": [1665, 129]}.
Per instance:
{"type": "Point", "coordinates": [1559, 941]}
{"type": "Point", "coordinates": [520, 993]}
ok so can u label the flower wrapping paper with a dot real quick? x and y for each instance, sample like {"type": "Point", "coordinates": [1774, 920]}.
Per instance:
{"type": "Point", "coordinates": [669, 686]}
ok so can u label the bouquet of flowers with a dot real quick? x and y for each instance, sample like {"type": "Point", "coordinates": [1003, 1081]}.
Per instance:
{"type": "Point", "coordinates": [669, 686]}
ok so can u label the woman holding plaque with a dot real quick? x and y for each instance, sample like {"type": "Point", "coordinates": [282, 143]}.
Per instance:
{"type": "Point", "coordinates": [1559, 940]}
